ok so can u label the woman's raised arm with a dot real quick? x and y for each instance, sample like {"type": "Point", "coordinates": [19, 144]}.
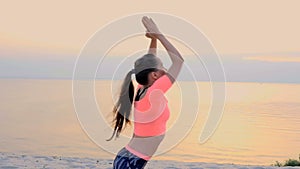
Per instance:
{"type": "Point", "coordinates": [175, 56]}
{"type": "Point", "coordinates": [153, 44]}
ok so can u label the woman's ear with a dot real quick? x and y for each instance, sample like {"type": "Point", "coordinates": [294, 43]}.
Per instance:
{"type": "Point", "coordinates": [154, 75]}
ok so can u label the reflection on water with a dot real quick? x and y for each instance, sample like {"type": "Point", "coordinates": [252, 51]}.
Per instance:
{"type": "Point", "coordinates": [261, 122]}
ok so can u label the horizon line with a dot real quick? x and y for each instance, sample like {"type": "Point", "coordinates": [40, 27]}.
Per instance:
{"type": "Point", "coordinates": [106, 79]}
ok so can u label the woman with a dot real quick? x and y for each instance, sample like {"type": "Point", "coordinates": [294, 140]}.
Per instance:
{"type": "Point", "coordinates": [151, 111]}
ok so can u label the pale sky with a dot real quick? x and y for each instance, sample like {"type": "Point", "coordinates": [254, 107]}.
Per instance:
{"type": "Point", "coordinates": [42, 34]}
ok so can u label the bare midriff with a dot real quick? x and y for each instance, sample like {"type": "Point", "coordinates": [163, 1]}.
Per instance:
{"type": "Point", "coordinates": [144, 147]}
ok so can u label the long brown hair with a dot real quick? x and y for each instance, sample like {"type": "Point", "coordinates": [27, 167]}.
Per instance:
{"type": "Point", "coordinates": [123, 106]}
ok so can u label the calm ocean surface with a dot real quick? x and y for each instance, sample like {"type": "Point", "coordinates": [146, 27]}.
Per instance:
{"type": "Point", "coordinates": [260, 124]}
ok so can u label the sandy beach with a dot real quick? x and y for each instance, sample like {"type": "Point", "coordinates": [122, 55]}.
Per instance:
{"type": "Point", "coordinates": [15, 161]}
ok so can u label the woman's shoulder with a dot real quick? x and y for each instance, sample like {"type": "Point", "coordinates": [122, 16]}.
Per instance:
{"type": "Point", "coordinates": [163, 83]}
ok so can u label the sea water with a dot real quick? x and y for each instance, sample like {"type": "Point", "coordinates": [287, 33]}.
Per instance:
{"type": "Point", "coordinates": [260, 122]}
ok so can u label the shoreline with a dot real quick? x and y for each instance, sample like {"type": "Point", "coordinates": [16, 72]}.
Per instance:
{"type": "Point", "coordinates": [15, 161]}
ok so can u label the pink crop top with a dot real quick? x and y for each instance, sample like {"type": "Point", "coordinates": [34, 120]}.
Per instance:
{"type": "Point", "coordinates": [152, 112]}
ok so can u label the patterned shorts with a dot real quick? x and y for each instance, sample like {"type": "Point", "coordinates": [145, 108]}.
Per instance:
{"type": "Point", "coordinates": [127, 160]}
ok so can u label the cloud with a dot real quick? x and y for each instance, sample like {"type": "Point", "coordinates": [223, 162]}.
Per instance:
{"type": "Point", "coordinates": [274, 58]}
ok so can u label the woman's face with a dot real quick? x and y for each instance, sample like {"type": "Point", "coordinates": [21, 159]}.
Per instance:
{"type": "Point", "coordinates": [160, 72]}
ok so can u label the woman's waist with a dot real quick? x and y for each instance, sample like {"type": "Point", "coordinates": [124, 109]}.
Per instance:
{"type": "Point", "coordinates": [144, 147]}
